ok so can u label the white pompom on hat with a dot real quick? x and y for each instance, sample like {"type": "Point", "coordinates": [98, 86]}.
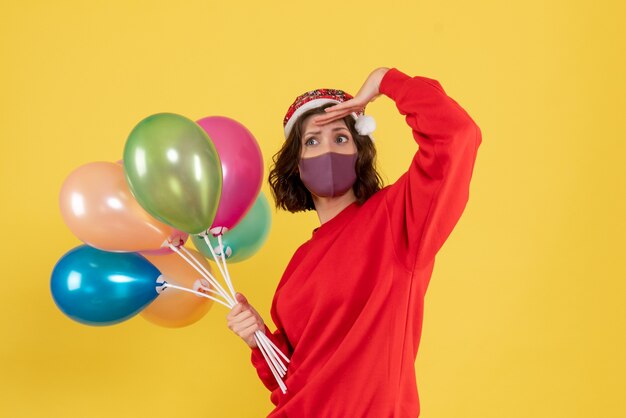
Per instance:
{"type": "Point", "coordinates": [364, 125]}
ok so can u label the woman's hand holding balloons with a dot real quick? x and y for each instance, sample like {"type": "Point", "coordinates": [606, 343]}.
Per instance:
{"type": "Point", "coordinates": [244, 320]}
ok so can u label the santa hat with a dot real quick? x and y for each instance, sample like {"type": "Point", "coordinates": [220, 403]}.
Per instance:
{"type": "Point", "coordinates": [364, 125]}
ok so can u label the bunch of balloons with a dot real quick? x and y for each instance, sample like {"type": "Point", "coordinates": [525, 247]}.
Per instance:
{"type": "Point", "coordinates": [178, 178]}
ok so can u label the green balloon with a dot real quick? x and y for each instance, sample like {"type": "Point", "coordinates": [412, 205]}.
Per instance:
{"type": "Point", "coordinates": [245, 239]}
{"type": "Point", "coordinates": [174, 171]}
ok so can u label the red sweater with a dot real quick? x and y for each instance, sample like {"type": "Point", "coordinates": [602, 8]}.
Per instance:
{"type": "Point", "coordinates": [349, 306]}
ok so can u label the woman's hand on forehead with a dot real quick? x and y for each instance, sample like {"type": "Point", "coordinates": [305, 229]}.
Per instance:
{"type": "Point", "coordinates": [368, 92]}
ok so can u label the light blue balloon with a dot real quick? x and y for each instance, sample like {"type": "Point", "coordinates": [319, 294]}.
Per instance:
{"type": "Point", "coordinates": [96, 287]}
{"type": "Point", "coordinates": [246, 238]}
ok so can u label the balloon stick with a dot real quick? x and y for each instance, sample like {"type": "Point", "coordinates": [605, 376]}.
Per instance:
{"type": "Point", "coordinates": [227, 276]}
{"type": "Point", "coordinates": [277, 364]}
{"type": "Point", "coordinates": [184, 289]}
{"type": "Point", "coordinates": [219, 265]}
{"type": "Point", "coordinates": [282, 386]}
{"type": "Point", "coordinates": [204, 274]}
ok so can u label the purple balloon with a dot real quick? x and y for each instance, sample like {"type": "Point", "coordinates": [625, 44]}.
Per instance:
{"type": "Point", "coordinates": [242, 169]}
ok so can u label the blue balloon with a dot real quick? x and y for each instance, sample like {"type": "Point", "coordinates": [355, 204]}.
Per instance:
{"type": "Point", "coordinates": [96, 287]}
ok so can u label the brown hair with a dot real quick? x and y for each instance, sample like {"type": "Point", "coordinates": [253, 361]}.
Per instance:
{"type": "Point", "coordinates": [288, 190]}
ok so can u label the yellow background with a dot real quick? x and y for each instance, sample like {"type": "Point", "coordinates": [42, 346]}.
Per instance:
{"type": "Point", "coordinates": [525, 315]}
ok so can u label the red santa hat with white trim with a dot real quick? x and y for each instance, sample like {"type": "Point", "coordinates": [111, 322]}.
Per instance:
{"type": "Point", "coordinates": [364, 124]}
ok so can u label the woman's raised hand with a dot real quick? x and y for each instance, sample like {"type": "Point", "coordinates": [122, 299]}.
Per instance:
{"type": "Point", "coordinates": [244, 320]}
{"type": "Point", "coordinates": [366, 94]}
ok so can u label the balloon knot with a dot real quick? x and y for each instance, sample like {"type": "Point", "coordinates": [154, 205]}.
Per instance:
{"type": "Point", "coordinates": [161, 284]}
{"type": "Point", "coordinates": [218, 230]}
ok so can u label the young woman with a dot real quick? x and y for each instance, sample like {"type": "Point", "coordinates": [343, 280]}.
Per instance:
{"type": "Point", "coordinates": [349, 306]}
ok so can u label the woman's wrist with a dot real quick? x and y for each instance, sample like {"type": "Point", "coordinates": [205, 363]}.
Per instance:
{"type": "Point", "coordinates": [379, 74]}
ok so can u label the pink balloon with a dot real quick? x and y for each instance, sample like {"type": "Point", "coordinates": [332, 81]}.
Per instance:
{"type": "Point", "coordinates": [242, 169]}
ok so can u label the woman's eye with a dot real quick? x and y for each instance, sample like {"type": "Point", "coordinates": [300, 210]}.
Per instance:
{"type": "Point", "coordinates": [310, 141]}
{"type": "Point", "coordinates": [342, 138]}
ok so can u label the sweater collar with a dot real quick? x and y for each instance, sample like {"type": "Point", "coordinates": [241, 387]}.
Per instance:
{"type": "Point", "coordinates": [339, 219]}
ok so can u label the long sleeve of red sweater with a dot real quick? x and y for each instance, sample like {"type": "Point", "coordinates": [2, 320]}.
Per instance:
{"type": "Point", "coordinates": [427, 201]}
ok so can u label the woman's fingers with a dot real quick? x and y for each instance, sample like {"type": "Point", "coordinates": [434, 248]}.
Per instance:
{"type": "Point", "coordinates": [345, 107]}
{"type": "Point", "coordinates": [339, 106]}
{"type": "Point", "coordinates": [247, 329]}
{"type": "Point", "coordinates": [239, 318]}
{"type": "Point", "coordinates": [243, 325]}
{"type": "Point", "coordinates": [248, 333]}
{"type": "Point", "coordinates": [329, 117]}
{"type": "Point", "coordinates": [339, 111]}
{"type": "Point", "coordinates": [244, 321]}
{"type": "Point", "coordinates": [241, 298]}
{"type": "Point", "coordinates": [236, 310]}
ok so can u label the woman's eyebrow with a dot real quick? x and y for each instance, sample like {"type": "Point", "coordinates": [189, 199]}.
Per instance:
{"type": "Point", "coordinates": [338, 128]}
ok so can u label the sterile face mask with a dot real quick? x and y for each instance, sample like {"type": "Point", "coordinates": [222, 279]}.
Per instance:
{"type": "Point", "coordinates": [328, 175]}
